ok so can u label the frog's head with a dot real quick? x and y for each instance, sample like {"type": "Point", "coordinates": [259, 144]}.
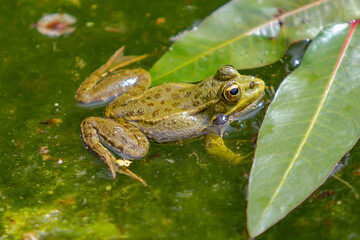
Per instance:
{"type": "Point", "coordinates": [239, 94]}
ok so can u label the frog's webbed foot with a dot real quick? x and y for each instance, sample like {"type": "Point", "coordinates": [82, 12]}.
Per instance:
{"type": "Point", "coordinates": [121, 138]}
{"type": "Point", "coordinates": [215, 146]}
{"type": "Point", "coordinates": [110, 81]}
{"type": "Point", "coordinates": [118, 60]}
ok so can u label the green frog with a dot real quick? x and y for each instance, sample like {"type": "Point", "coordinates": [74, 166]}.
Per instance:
{"type": "Point", "coordinates": [170, 112]}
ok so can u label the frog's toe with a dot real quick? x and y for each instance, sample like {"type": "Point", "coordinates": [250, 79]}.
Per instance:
{"type": "Point", "coordinates": [112, 167]}
{"type": "Point", "coordinates": [241, 159]}
{"type": "Point", "coordinates": [124, 170]}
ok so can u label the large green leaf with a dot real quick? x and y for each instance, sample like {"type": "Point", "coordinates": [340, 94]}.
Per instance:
{"type": "Point", "coordinates": [312, 122]}
{"type": "Point", "coordinates": [248, 33]}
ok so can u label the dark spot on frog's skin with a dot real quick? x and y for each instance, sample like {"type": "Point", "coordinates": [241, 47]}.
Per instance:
{"type": "Point", "coordinates": [175, 96]}
{"type": "Point", "coordinates": [140, 111]}
{"type": "Point", "coordinates": [167, 109]}
{"type": "Point", "coordinates": [167, 89]}
{"type": "Point", "coordinates": [142, 101]}
{"type": "Point", "coordinates": [148, 98]}
{"type": "Point", "coordinates": [162, 102]}
{"type": "Point", "coordinates": [157, 96]}
{"type": "Point", "coordinates": [201, 84]}
{"type": "Point", "coordinates": [141, 88]}
{"type": "Point", "coordinates": [213, 84]}
{"type": "Point", "coordinates": [175, 104]}
{"type": "Point", "coordinates": [196, 96]}
{"type": "Point", "coordinates": [155, 113]}
{"type": "Point", "coordinates": [196, 103]}
{"type": "Point", "coordinates": [135, 101]}
{"type": "Point", "coordinates": [188, 94]}
{"type": "Point", "coordinates": [151, 104]}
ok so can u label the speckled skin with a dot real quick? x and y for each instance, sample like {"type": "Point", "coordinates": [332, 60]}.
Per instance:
{"type": "Point", "coordinates": [173, 112]}
{"type": "Point", "coordinates": [169, 112]}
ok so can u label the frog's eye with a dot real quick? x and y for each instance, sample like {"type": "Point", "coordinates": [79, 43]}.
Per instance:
{"type": "Point", "coordinates": [226, 73]}
{"type": "Point", "coordinates": [232, 92]}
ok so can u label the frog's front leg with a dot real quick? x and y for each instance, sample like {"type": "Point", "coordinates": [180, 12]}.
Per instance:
{"type": "Point", "coordinates": [215, 146]}
{"type": "Point", "coordinates": [109, 81]}
{"type": "Point", "coordinates": [122, 138]}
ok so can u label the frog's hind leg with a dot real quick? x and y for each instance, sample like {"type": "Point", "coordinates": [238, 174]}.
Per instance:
{"type": "Point", "coordinates": [215, 146]}
{"type": "Point", "coordinates": [110, 81]}
{"type": "Point", "coordinates": [122, 138]}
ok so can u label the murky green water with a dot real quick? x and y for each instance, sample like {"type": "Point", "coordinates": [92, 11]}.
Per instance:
{"type": "Point", "coordinates": [67, 193]}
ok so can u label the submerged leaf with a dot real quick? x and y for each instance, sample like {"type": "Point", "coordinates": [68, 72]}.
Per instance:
{"type": "Point", "coordinates": [312, 122]}
{"type": "Point", "coordinates": [247, 33]}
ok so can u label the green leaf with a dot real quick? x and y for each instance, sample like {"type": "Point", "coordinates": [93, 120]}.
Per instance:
{"type": "Point", "coordinates": [247, 33]}
{"type": "Point", "coordinates": [312, 122]}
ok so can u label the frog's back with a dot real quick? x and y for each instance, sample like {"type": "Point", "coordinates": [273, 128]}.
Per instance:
{"type": "Point", "coordinates": [160, 102]}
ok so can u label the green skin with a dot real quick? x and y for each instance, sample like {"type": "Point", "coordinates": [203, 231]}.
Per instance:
{"type": "Point", "coordinates": [166, 113]}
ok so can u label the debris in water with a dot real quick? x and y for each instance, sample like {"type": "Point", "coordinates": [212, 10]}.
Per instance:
{"type": "Point", "coordinates": [52, 121]}
{"type": "Point", "coordinates": [56, 24]}
{"type": "Point", "coordinates": [160, 20]}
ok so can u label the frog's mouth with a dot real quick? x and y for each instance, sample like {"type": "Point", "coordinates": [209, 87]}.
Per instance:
{"type": "Point", "coordinates": [250, 110]}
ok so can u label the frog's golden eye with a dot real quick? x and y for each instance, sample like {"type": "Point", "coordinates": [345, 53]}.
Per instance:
{"type": "Point", "coordinates": [232, 92]}
{"type": "Point", "coordinates": [226, 73]}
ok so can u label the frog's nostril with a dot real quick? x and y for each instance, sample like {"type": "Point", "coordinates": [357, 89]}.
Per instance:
{"type": "Point", "coordinates": [252, 85]}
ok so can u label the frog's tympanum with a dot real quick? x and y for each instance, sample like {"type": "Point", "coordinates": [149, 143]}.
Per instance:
{"type": "Point", "coordinates": [166, 113]}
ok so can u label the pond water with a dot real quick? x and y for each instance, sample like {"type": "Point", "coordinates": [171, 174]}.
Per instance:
{"type": "Point", "coordinates": [52, 188]}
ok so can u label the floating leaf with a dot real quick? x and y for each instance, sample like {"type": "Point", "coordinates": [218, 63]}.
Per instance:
{"type": "Point", "coordinates": [312, 122]}
{"type": "Point", "coordinates": [247, 33]}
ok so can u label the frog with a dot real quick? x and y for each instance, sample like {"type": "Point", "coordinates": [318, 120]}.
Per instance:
{"type": "Point", "coordinates": [137, 114]}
